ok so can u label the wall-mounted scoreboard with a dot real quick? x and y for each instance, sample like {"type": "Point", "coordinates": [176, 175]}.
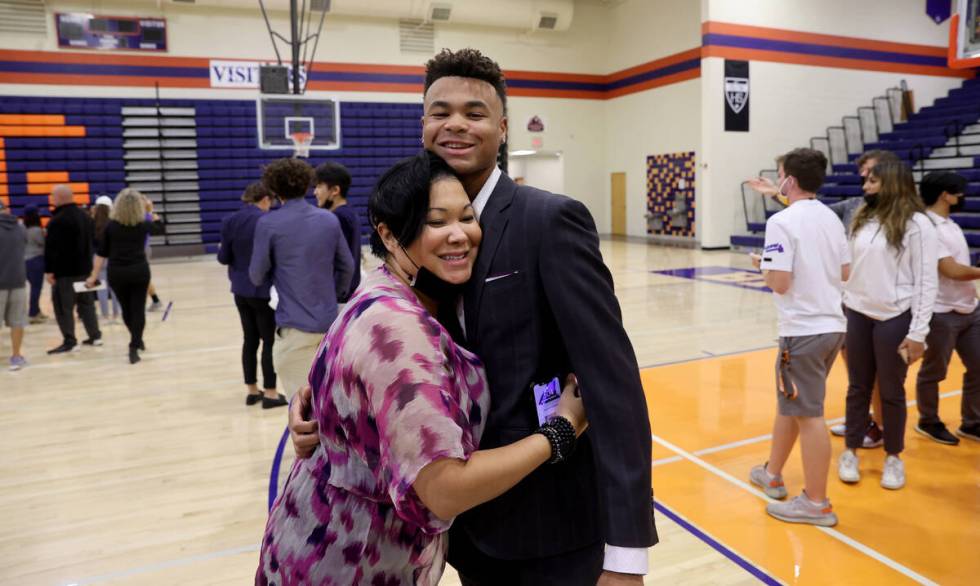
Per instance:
{"type": "Point", "coordinates": [79, 30]}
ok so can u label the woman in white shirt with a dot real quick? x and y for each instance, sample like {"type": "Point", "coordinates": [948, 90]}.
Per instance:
{"type": "Point", "coordinates": [888, 300]}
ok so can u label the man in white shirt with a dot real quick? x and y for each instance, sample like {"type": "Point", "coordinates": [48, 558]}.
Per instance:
{"type": "Point", "coordinates": [805, 260]}
{"type": "Point", "coordinates": [955, 320]}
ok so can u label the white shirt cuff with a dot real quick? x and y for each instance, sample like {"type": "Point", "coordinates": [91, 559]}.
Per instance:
{"type": "Point", "coordinates": [626, 560]}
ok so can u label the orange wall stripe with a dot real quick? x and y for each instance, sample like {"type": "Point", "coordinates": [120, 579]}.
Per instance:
{"type": "Point", "coordinates": [81, 198]}
{"type": "Point", "coordinates": [818, 61]}
{"type": "Point", "coordinates": [3, 165]}
{"type": "Point", "coordinates": [28, 131]}
{"type": "Point", "coordinates": [724, 28]}
{"type": "Point", "coordinates": [47, 177]}
{"type": "Point", "coordinates": [32, 120]}
{"type": "Point", "coordinates": [104, 80]}
{"type": "Point", "coordinates": [45, 188]}
{"type": "Point", "coordinates": [3, 190]}
{"type": "Point", "coordinates": [5, 199]}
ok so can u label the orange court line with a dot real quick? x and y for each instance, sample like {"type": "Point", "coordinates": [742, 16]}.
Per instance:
{"type": "Point", "coordinates": [28, 131]}
{"type": "Point", "coordinates": [47, 176]}
{"type": "Point", "coordinates": [32, 120]}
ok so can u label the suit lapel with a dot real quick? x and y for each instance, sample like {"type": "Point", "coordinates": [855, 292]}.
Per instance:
{"type": "Point", "coordinates": [493, 222]}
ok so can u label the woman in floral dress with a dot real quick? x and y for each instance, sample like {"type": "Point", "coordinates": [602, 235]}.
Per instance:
{"type": "Point", "coordinates": [400, 407]}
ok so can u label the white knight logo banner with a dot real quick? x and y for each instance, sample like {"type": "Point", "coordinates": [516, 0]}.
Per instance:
{"type": "Point", "coordinates": [736, 86]}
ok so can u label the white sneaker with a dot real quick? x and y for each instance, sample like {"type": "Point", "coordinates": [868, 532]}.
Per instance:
{"type": "Point", "coordinates": [847, 467]}
{"type": "Point", "coordinates": [893, 478]}
{"type": "Point", "coordinates": [839, 430]}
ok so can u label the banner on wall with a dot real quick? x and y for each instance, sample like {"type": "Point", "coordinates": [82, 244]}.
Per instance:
{"type": "Point", "coordinates": [736, 96]}
{"type": "Point", "coordinates": [241, 74]}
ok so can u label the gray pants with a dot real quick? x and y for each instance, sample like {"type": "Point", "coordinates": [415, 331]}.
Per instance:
{"type": "Point", "coordinates": [64, 300]}
{"type": "Point", "coordinates": [947, 332]}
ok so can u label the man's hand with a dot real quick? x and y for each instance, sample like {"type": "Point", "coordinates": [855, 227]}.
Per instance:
{"type": "Point", "coordinates": [49, 277]}
{"type": "Point", "coordinates": [608, 578]}
{"type": "Point", "coordinates": [763, 185]}
{"type": "Point", "coordinates": [303, 431]}
{"type": "Point", "coordinates": [914, 350]}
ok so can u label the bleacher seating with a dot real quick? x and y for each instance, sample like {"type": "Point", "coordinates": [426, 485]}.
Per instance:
{"type": "Point", "coordinates": [81, 141]}
{"type": "Point", "coordinates": [928, 142]}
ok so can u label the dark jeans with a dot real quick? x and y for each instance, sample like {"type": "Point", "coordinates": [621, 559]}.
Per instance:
{"type": "Point", "coordinates": [872, 350]}
{"type": "Point", "coordinates": [35, 276]}
{"type": "Point", "coordinates": [64, 300]}
{"type": "Point", "coordinates": [129, 283]}
{"type": "Point", "coordinates": [258, 323]}
{"type": "Point", "coordinates": [947, 332]}
{"type": "Point", "coordinates": [576, 568]}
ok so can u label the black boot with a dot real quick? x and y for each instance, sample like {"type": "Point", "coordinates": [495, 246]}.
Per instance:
{"type": "Point", "coordinates": [134, 356]}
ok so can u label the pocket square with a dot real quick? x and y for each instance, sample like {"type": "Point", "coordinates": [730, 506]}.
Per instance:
{"type": "Point", "coordinates": [493, 278]}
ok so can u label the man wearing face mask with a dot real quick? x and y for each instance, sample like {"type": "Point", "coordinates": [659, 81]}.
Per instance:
{"type": "Point", "coordinates": [845, 210]}
{"type": "Point", "coordinates": [955, 320]}
{"type": "Point", "coordinates": [332, 183]}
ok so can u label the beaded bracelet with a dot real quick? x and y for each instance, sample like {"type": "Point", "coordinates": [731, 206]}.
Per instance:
{"type": "Point", "coordinates": [561, 435]}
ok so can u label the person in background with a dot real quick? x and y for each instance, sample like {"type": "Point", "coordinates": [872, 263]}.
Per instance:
{"type": "Point", "coordinates": [67, 260]}
{"type": "Point", "coordinates": [34, 262]}
{"type": "Point", "coordinates": [258, 319]}
{"type": "Point", "coordinates": [956, 318]}
{"type": "Point", "coordinates": [100, 217]}
{"type": "Point", "coordinates": [302, 249]}
{"type": "Point", "coordinates": [13, 283]}
{"type": "Point", "coordinates": [845, 210]}
{"type": "Point", "coordinates": [889, 300]}
{"type": "Point", "coordinates": [805, 260]}
{"type": "Point", "coordinates": [155, 303]}
{"type": "Point", "coordinates": [332, 184]}
{"type": "Point", "coordinates": [123, 244]}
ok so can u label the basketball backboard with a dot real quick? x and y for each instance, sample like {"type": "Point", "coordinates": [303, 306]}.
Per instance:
{"type": "Point", "coordinates": [281, 117]}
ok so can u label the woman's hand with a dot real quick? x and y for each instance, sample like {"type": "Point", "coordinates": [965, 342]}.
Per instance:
{"type": "Point", "coordinates": [571, 407]}
{"type": "Point", "coordinates": [912, 349]}
{"type": "Point", "coordinates": [91, 282]}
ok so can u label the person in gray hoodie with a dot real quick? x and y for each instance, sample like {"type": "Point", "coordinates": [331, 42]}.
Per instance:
{"type": "Point", "coordinates": [13, 283]}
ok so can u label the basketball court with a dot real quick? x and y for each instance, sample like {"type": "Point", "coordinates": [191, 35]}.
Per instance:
{"type": "Point", "coordinates": [161, 475]}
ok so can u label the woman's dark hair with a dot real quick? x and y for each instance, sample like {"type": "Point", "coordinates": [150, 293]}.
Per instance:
{"type": "Point", "coordinates": [31, 217]}
{"type": "Point", "coordinates": [897, 202]}
{"type": "Point", "coordinates": [101, 220]}
{"type": "Point", "coordinates": [400, 199]}
{"type": "Point", "coordinates": [468, 63]}
{"type": "Point", "coordinates": [288, 178]}
{"type": "Point", "coordinates": [255, 192]}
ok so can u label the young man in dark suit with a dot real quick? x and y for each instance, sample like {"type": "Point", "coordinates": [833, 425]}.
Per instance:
{"type": "Point", "coordinates": [540, 304]}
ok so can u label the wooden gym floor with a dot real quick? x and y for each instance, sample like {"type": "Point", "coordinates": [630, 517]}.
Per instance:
{"type": "Point", "coordinates": [159, 474]}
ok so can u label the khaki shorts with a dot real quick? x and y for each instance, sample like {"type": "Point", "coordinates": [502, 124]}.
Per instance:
{"type": "Point", "coordinates": [802, 366]}
{"type": "Point", "coordinates": [13, 307]}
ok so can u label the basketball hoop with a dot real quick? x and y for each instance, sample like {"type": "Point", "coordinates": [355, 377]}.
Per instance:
{"type": "Point", "coordinates": [301, 144]}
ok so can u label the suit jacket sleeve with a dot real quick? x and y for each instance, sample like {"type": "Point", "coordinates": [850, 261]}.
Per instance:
{"type": "Point", "coordinates": [51, 246]}
{"type": "Point", "coordinates": [580, 292]}
{"type": "Point", "coordinates": [261, 263]}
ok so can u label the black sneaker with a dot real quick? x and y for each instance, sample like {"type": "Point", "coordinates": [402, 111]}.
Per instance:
{"type": "Point", "coordinates": [971, 432]}
{"type": "Point", "coordinates": [92, 341]}
{"type": "Point", "coordinates": [279, 401]}
{"type": "Point", "coordinates": [937, 432]}
{"type": "Point", "coordinates": [134, 356]}
{"type": "Point", "coordinates": [65, 347]}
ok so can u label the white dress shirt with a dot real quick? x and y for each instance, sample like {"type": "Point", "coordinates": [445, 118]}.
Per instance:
{"type": "Point", "coordinates": [958, 296]}
{"type": "Point", "coordinates": [627, 560]}
{"type": "Point", "coordinates": [886, 282]}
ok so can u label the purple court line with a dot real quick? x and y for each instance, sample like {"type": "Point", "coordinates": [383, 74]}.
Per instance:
{"type": "Point", "coordinates": [274, 473]}
{"type": "Point", "coordinates": [714, 544]}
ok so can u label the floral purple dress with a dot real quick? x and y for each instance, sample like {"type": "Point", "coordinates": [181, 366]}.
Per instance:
{"type": "Point", "coordinates": [392, 392]}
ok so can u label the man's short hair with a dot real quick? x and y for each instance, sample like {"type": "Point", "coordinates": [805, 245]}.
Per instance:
{"type": "Point", "coordinates": [809, 166]}
{"type": "Point", "coordinates": [879, 156]}
{"type": "Point", "coordinates": [936, 183]}
{"type": "Point", "coordinates": [334, 174]}
{"type": "Point", "coordinates": [288, 178]}
{"type": "Point", "coordinates": [255, 192]}
{"type": "Point", "coordinates": [466, 63]}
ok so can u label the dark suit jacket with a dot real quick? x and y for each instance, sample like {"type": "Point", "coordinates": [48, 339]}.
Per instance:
{"type": "Point", "coordinates": [541, 304]}
{"type": "Point", "coordinates": [68, 247]}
